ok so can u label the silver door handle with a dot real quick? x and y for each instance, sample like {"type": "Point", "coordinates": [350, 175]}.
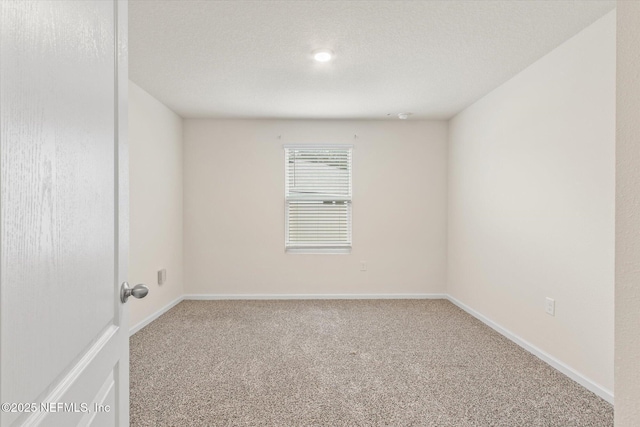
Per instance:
{"type": "Point", "coordinates": [138, 291]}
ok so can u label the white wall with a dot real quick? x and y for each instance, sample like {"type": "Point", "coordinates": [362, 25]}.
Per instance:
{"type": "Point", "coordinates": [627, 376]}
{"type": "Point", "coordinates": [155, 173]}
{"type": "Point", "coordinates": [234, 208]}
{"type": "Point", "coordinates": [531, 203]}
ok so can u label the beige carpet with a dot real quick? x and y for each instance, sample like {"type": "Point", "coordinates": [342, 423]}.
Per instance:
{"type": "Point", "coordinates": [344, 363]}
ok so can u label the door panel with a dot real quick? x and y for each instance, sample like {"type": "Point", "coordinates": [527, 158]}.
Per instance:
{"type": "Point", "coordinates": [84, 384]}
{"type": "Point", "coordinates": [105, 398]}
{"type": "Point", "coordinates": [63, 332]}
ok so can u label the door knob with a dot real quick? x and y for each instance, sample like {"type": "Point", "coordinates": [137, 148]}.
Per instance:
{"type": "Point", "coordinates": [138, 291]}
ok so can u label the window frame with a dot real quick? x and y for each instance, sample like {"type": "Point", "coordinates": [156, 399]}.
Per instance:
{"type": "Point", "coordinates": [317, 250]}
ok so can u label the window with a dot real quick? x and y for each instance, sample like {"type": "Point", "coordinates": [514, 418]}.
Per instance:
{"type": "Point", "coordinates": [318, 199]}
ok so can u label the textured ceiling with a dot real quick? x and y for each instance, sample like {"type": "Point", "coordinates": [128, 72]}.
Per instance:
{"type": "Point", "coordinates": [252, 59]}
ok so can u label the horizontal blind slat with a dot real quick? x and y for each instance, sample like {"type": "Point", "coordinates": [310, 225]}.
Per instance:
{"type": "Point", "coordinates": [313, 178]}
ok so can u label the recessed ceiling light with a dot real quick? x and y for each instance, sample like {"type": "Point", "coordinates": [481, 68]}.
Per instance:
{"type": "Point", "coordinates": [404, 116]}
{"type": "Point", "coordinates": [323, 55]}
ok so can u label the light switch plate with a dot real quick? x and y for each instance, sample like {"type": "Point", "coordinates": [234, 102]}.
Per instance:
{"type": "Point", "coordinates": [162, 276]}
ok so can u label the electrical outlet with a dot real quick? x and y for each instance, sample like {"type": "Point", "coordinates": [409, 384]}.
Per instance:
{"type": "Point", "coordinates": [162, 276]}
{"type": "Point", "coordinates": [363, 265]}
{"type": "Point", "coordinates": [550, 306]}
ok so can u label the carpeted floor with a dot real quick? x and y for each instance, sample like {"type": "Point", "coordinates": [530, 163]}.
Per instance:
{"type": "Point", "coordinates": [344, 363]}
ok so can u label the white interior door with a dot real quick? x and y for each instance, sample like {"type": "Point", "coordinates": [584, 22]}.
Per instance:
{"type": "Point", "coordinates": [63, 213]}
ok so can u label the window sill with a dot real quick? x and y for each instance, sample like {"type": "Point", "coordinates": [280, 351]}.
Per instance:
{"type": "Point", "coordinates": [318, 251]}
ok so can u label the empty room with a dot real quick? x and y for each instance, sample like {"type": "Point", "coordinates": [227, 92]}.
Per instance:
{"type": "Point", "coordinates": [320, 213]}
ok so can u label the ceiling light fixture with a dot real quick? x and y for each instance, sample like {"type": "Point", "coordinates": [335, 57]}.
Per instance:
{"type": "Point", "coordinates": [323, 55]}
{"type": "Point", "coordinates": [404, 116]}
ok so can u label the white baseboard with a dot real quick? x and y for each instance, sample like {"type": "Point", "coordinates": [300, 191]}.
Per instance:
{"type": "Point", "coordinates": [154, 316]}
{"type": "Point", "coordinates": [309, 296]}
{"type": "Point", "coordinates": [555, 363]}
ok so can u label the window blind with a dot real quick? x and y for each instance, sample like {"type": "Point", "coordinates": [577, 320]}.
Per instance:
{"type": "Point", "coordinates": [318, 197]}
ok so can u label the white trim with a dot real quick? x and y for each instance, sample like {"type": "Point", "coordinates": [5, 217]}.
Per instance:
{"type": "Point", "coordinates": [318, 251]}
{"type": "Point", "coordinates": [144, 322]}
{"type": "Point", "coordinates": [309, 296]}
{"type": "Point", "coordinates": [590, 385]}
{"type": "Point", "coordinates": [316, 146]}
